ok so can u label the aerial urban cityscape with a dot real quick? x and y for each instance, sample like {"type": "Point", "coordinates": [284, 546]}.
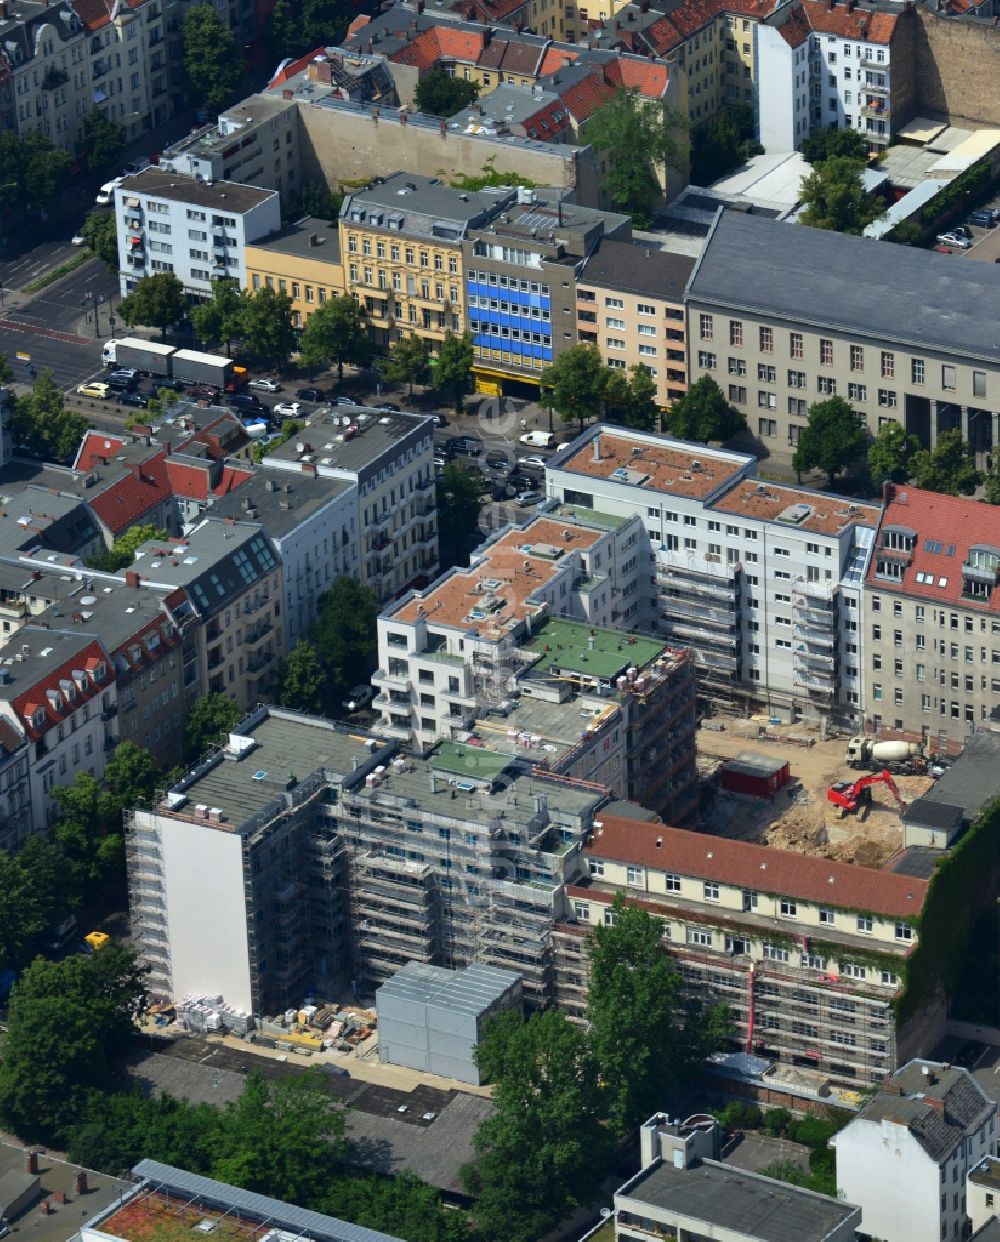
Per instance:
{"type": "Point", "coordinates": [500, 604]}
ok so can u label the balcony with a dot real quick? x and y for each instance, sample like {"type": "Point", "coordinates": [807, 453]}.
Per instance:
{"type": "Point", "coordinates": [254, 634]}
{"type": "Point", "coordinates": [109, 713]}
{"type": "Point", "coordinates": [814, 660]}
{"type": "Point", "coordinates": [258, 663]}
{"type": "Point", "coordinates": [878, 108]}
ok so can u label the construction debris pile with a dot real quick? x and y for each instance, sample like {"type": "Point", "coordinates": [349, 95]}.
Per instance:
{"type": "Point", "coordinates": [202, 1014]}
{"type": "Point", "coordinates": [317, 1028]}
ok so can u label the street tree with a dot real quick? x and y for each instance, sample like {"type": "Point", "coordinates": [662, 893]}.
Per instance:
{"type": "Point", "coordinates": [438, 94]}
{"type": "Point", "coordinates": [100, 232]}
{"type": "Point", "coordinates": [102, 143]}
{"type": "Point", "coordinates": [344, 638]}
{"type": "Point", "coordinates": [36, 884]}
{"type": "Point", "coordinates": [407, 362]}
{"type": "Point", "coordinates": [88, 830]}
{"type": "Point", "coordinates": [211, 59]}
{"type": "Point", "coordinates": [640, 409]}
{"type": "Point", "coordinates": [544, 1150]}
{"type": "Point", "coordinates": [824, 144]}
{"type": "Point", "coordinates": [122, 552]}
{"type": "Point", "coordinates": [576, 381]}
{"type": "Point", "coordinates": [209, 719]}
{"type": "Point", "coordinates": [648, 1039]}
{"type": "Point", "coordinates": [704, 414]}
{"type": "Point", "coordinates": [723, 145]}
{"type": "Point", "coordinates": [220, 319]}
{"type": "Point", "coordinates": [891, 452]}
{"type": "Point", "coordinates": [68, 1024]}
{"type": "Point", "coordinates": [302, 679]}
{"type": "Point", "coordinates": [833, 197]}
{"type": "Point", "coordinates": [458, 504]}
{"type": "Point", "coordinates": [335, 333]}
{"type": "Point", "coordinates": [453, 372]}
{"type": "Point", "coordinates": [33, 171]}
{"type": "Point", "coordinates": [991, 483]}
{"type": "Point", "coordinates": [266, 326]}
{"type": "Point", "coordinates": [639, 137]}
{"type": "Point", "coordinates": [42, 424]}
{"type": "Point", "coordinates": [832, 439]}
{"type": "Point", "coordinates": [950, 467]}
{"type": "Point", "coordinates": [156, 301]}
{"type": "Point", "coordinates": [130, 778]}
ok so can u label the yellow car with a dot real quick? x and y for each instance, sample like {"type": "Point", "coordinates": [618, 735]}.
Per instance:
{"type": "Point", "coordinates": [94, 390]}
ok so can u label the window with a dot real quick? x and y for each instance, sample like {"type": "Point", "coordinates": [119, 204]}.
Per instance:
{"type": "Point", "coordinates": [904, 932]}
{"type": "Point", "coordinates": [789, 908]}
{"type": "Point", "coordinates": [865, 923]}
{"type": "Point", "coordinates": [597, 867]}
{"type": "Point", "coordinates": [767, 340]}
{"type": "Point", "coordinates": [704, 327]}
{"type": "Point", "coordinates": [766, 400]}
{"type": "Point", "coordinates": [711, 890]}
{"type": "Point", "coordinates": [796, 379]}
{"type": "Point", "coordinates": [749, 901]}
{"type": "Point", "coordinates": [917, 370]}
{"type": "Point", "coordinates": [857, 358]}
{"type": "Point", "coordinates": [737, 394]}
{"type": "Point", "coordinates": [767, 427]}
{"type": "Point", "coordinates": [979, 383]}
{"type": "Point", "coordinates": [826, 918]}
{"type": "Point", "coordinates": [890, 978]}
{"type": "Point", "coordinates": [672, 882]}
{"type": "Point", "coordinates": [857, 392]}
{"type": "Point", "coordinates": [813, 961]}
{"type": "Point", "coordinates": [825, 352]}
{"type": "Point", "coordinates": [948, 377]}
{"type": "Point", "coordinates": [795, 345]}
{"type": "Point", "coordinates": [634, 876]}
{"type": "Point", "coordinates": [735, 332]}
{"type": "Point", "coordinates": [774, 952]}
{"type": "Point", "coordinates": [888, 364]}
{"type": "Point", "coordinates": [737, 366]}
{"type": "Point", "coordinates": [826, 385]}
{"type": "Point", "coordinates": [887, 398]}
{"type": "Point", "coordinates": [706, 360]}
{"type": "Point", "coordinates": [852, 970]}
{"type": "Point", "coordinates": [697, 935]}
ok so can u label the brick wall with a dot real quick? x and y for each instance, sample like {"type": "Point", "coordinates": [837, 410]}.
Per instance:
{"type": "Point", "coordinates": [903, 57]}
{"type": "Point", "coordinates": [957, 68]}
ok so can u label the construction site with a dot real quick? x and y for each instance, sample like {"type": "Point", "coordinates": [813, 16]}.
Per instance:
{"type": "Point", "coordinates": [801, 816]}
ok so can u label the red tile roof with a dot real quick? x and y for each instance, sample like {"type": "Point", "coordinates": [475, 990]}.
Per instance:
{"type": "Point", "coordinates": [795, 29]}
{"type": "Point", "coordinates": [132, 497]}
{"type": "Point", "coordinates": [757, 867]}
{"type": "Point", "coordinates": [646, 76]}
{"type": "Point", "coordinates": [296, 67]}
{"type": "Point", "coordinates": [10, 737]}
{"type": "Point", "coordinates": [359, 23]}
{"type": "Point", "coordinates": [583, 98]}
{"type": "Point", "coordinates": [87, 658]}
{"type": "Point", "coordinates": [857, 24]}
{"type": "Point", "coordinates": [93, 13]}
{"type": "Point", "coordinates": [191, 481]}
{"type": "Point", "coordinates": [440, 43]}
{"type": "Point", "coordinates": [946, 527]}
{"type": "Point", "coordinates": [554, 59]}
{"type": "Point", "coordinates": [96, 448]}
{"type": "Point", "coordinates": [231, 479]}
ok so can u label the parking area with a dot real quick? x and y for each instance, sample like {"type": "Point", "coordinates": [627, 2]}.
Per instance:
{"type": "Point", "coordinates": [985, 246]}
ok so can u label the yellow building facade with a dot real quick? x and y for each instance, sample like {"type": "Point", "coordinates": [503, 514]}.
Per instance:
{"type": "Point", "coordinates": [303, 261]}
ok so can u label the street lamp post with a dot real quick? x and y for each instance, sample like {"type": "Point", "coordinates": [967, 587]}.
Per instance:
{"type": "Point", "coordinates": [96, 300]}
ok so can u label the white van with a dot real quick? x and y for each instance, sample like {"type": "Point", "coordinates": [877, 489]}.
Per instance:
{"type": "Point", "coordinates": [107, 191]}
{"type": "Point", "coordinates": [538, 439]}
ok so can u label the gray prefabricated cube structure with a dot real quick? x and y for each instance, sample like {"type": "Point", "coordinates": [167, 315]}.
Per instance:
{"type": "Point", "coordinates": [432, 1019]}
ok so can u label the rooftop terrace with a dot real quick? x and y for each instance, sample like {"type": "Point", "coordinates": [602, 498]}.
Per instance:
{"type": "Point", "coordinates": [591, 652]}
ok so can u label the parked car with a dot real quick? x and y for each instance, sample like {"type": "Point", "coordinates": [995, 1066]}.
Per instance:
{"type": "Point", "coordinates": [470, 446]}
{"type": "Point", "coordinates": [387, 407]}
{"type": "Point", "coordinates": [100, 391]}
{"type": "Point", "coordinates": [440, 420]}
{"type": "Point", "coordinates": [954, 239]}
{"type": "Point", "coordinates": [526, 499]}
{"type": "Point", "coordinates": [288, 409]}
{"type": "Point", "coordinates": [531, 463]}
{"type": "Point", "coordinates": [358, 697]}
{"type": "Point", "coordinates": [983, 219]}
{"type": "Point", "coordinates": [124, 381]}
{"type": "Point", "coordinates": [265, 385]}
{"type": "Point", "coordinates": [203, 392]}
{"type": "Point", "coordinates": [520, 482]}
{"type": "Point", "coordinates": [498, 461]}
{"type": "Point", "coordinates": [77, 239]}
{"type": "Point", "coordinates": [246, 401]}
{"type": "Point", "coordinates": [132, 398]}
{"type": "Point", "coordinates": [165, 385]}
{"type": "Point", "coordinates": [344, 401]}
{"type": "Point", "coordinates": [310, 394]}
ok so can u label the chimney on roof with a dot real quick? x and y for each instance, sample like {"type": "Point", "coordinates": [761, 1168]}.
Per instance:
{"type": "Point", "coordinates": [131, 578]}
{"type": "Point", "coordinates": [287, 94]}
{"type": "Point", "coordinates": [46, 1210]}
{"type": "Point", "coordinates": [80, 1182]}
{"type": "Point", "coordinates": [309, 467]}
{"type": "Point", "coordinates": [936, 1103]}
{"type": "Point", "coordinates": [597, 447]}
{"type": "Point", "coordinates": [31, 1162]}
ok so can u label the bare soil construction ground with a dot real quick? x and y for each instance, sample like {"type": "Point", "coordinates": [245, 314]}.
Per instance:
{"type": "Point", "coordinates": [800, 817]}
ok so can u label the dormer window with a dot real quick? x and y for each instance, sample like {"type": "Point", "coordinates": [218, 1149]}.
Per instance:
{"type": "Point", "coordinates": [99, 672]}
{"type": "Point", "coordinates": [898, 538]}
{"type": "Point", "coordinates": [38, 718]}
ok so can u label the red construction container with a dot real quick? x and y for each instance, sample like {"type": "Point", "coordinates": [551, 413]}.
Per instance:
{"type": "Point", "coordinates": [754, 773]}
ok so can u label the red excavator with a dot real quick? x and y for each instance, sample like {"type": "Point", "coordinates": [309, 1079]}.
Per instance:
{"type": "Point", "coordinates": [851, 796]}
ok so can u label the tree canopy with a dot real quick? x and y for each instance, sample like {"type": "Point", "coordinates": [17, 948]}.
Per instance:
{"type": "Point", "coordinates": [102, 143]}
{"type": "Point", "coordinates": [265, 322]}
{"type": "Point", "coordinates": [295, 25]}
{"type": "Point", "coordinates": [302, 679]}
{"type": "Point", "coordinates": [344, 638]}
{"type": "Point", "coordinates": [638, 137]}
{"type": "Point", "coordinates": [544, 1151]}
{"type": "Point", "coordinates": [648, 1039]}
{"type": "Point", "coordinates": [458, 504]}
{"type": "Point", "coordinates": [832, 439]}
{"type": "Point", "coordinates": [211, 716]}
{"type": "Point", "coordinates": [211, 59]}
{"type": "Point", "coordinates": [100, 232]}
{"type": "Point", "coordinates": [440, 95]}
{"type": "Point", "coordinates": [219, 319]}
{"type": "Point", "coordinates": [890, 454]}
{"type": "Point", "coordinates": [41, 423]}
{"type": "Point", "coordinates": [950, 467]}
{"type": "Point", "coordinates": [122, 552]}
{"type": "Point", "coordinates": [33, 171]}
{"type": "Point", "coordinates": [723, 145]}
{"type": "Point", "coordinates": [833, 197]}
{"type": "Point", "coordinates": [335, 332]}
{"type": "Point", "coordinates": [704, 414]}
{"type": "Point", "coordinates": [575, 384]}
{"type": "Point", "coordinates": [824, 144]}
{"type": "Point", "coordinates": [632, 396]}
{"type": "Point", "coordinates": [408, 362]}
{"type": "Point", "coordinates": [156, 301]}
{"type": "Point", "coordinates": [453, 372]}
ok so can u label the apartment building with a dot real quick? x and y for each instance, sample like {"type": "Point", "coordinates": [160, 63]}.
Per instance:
{"type": "Point", "coordinates": [312, 523]}
{"type": "Point", "coordinates": [982, 1196]}
{"type": "Point", "coordinates": [231, 575]}
{"type": "Point", "coordinates": [905, 1157]}
{"type": "Point", "coordinates": [58, 62]}
{"type": "Point", "coordinates": [826, 65]}
{"type": "Point", "coordinates": [684, 1191]}
{"type": "Point", "coordinates": [402, 245]}
{"type": "Point", "coordinates": [389, 460]}
{"type": "Point", "coordinates": [630, 304]}
{"type": "Point", "coordinates": [15, 787]}
{"type": "Point", "coordinates": [896, 333]}
{"type": "Point", "coordinates": [57, 687]}
{"type": "Point", "coordinates": [763, 582]}
{"type": "Point", "coordinates": [302, 261]}
{"type": "Point", "coordinates": [198, 230]}
{"type": "Point", "coordinates": [521, 273]}
{"type": "Point", "coordinates": [932, 641]}
{"type": "Point", "coordinates": [808, 954]}
{"type": "Point", "coordinates": [511, 655]}
{"type": "Point", "coordinates": [306, 855]}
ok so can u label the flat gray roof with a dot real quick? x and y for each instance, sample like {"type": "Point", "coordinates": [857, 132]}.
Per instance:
{"type": "Point", "coordinates": [224, 196]}
{"type": "Point", "coordinates": [972, 781]}
{"type": "Point", "coordinates": [308, 238]}
{"type": "Point", "coordinates": [422, 204]}
{"type": "Point", "coordinates": [472, 990]}
{"type": "Point", "coordinates": [67, 1218]}
{"type": "Point", "coordinates": [376, 433]}
{"type": "Point", "coordinates": [281, 503]}
{"type": "Point", "coordinates": [856, 285]}
{"type": "Point", "coordinates": [636, 268]}
{"type": "Point", "coordinates": [728, 1198]}
{"type": "Point", "coordinates": [107, 609]}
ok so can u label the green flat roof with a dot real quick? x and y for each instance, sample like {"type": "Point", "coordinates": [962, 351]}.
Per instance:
{"type": "Point", "coordinates": [472, 761]}
{"type": "Point", "coordinates": [568, 644]}
{"type": "Point", "coordinates": [591, 517]}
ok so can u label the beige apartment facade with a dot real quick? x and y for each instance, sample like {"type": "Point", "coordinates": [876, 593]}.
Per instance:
{"type": "Point", "coordinates": [888, 329]}
{"type": "Point", "coordinates": [630, 304]}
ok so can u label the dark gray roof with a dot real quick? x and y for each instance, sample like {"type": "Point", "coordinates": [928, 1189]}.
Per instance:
{"type": "Point", "coordinates": [973, 780]}
{"type": "Point", "coordinates": [229, 196]}
{"type": "Point", "coordinates": [472, 990]}
{"type": "Point", "coordinates": [308, 238]}
{"type": "Point", "coordinates": [920, 861]}
{"type": "Point", "coordinates": [13, 1184]}
{"type": "Point", "coordinates": [829, 280]}
{"type": "Point", "coordinates": [929, 813]}
{"type": "Point", "coordinates": [990, 1232]}
{"type": "Point", "coordinates": [733, 1199]}
{"type": "Point", "coordinates": [635, 268]}
{"type": "Point", "coordinates": [107, 609]}
{"type": "Point", "coordinates": [258, 1207]}
{"type": "Point", "coordinates": [377, 436]}
{"type": "Point", "coordinates": [67, 1218]}
{"type": "Point", "coordinates": [904, 1100]}
{"type": "Point", "coordinates": [425, 207]}
{"type": "Point", "coordinates": [280, 502]}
